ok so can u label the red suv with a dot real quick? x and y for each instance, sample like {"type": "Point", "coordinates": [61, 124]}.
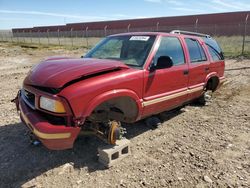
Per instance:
{"type": "Point", "coordinates": [125, 78]}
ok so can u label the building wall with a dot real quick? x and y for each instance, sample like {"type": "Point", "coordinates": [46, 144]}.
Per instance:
{"type": "Point", "coordinates": [214, 24]}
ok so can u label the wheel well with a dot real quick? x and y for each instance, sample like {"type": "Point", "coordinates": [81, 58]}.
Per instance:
{"type": "Point", "coordinates": [212, 83]}
{"type": "Point", "coordinates": [122, 109]}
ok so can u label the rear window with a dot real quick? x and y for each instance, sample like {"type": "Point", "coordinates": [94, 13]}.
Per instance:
{"type": "Point", "coordinates": [214, 49]}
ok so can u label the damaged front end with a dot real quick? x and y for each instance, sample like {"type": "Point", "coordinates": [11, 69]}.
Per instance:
{"type": "Point", "coordinates": [47, 112]}
{"type": "Point", "coordinates": [58, 131]}
{"type": "Point", "coordinates": [54, 131]}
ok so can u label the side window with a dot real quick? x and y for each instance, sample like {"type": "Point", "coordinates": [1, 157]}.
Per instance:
{"type": "Point", "coordinates": [171, 46]}
{"type": "Point", "coordinates": [214, 49]}
{"type": "Point", "coordinates": [195, 50]}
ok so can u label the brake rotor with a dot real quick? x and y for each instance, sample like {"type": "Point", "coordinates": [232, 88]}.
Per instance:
{"type": "Point", "coordinates": [114, 132]}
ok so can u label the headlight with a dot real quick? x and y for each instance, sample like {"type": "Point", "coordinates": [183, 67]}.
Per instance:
{"type": "Point", "coordinates": [51, 105]}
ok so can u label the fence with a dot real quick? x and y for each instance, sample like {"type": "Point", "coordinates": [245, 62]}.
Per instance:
{"type": "Point", "coordinates": [234, 38]}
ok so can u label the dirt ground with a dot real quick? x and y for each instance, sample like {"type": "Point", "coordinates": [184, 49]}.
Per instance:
{"type": "Point", "coordinates": [196, 147]}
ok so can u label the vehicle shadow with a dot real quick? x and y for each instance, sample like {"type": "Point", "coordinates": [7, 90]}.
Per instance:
{"type": "Point", "coordinates": [140, 127]}
{"type": "Point", "coordinates": [20, 161]}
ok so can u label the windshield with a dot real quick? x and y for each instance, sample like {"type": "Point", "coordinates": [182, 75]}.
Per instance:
{"type": "Point", "coordinates": [131, 50]}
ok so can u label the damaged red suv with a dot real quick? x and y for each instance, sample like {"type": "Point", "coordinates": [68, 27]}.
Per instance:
{"type": "Point", "coordinates": [125, 78]}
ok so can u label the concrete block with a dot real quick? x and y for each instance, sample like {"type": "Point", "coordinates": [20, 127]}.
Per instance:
{"type": "Point", "coordinates": [112, 154]}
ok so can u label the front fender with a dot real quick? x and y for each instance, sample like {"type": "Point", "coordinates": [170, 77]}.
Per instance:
{"type": "Point", "coordinates": [112, 94]}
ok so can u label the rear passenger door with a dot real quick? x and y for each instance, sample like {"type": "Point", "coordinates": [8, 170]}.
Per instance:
{"type": "Point", "coordinates": [198, 66]}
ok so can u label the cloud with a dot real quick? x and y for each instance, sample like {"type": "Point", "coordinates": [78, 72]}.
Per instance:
{"type": "Point", "coordinates": [14, 19]}
{"type": "Point", "coordinates": [153, 1]}
{"type": "Point", "coordinates": [121, 15]}
{"type": "Point", "coordinates": [53, 14]}
{"type": "Point", "coordinates": [212, 7]}
{"type": "Point", "coordinates": [187, 9]}
{"type": "Point", "coordinates": [227, 4]}
{"type": "Point", "coordinates": [175, 2]}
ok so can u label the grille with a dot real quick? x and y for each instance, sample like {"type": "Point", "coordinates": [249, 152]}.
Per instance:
{"type": "Point", "coordinates": [29, 98]}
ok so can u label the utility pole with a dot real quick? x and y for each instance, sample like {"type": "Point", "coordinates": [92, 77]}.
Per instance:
{"type": "Point", "coordinates": [244, 35]}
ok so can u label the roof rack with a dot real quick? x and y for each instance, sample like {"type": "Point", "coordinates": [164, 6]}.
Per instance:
{"type": "Point", "coordinates": [190, 33]}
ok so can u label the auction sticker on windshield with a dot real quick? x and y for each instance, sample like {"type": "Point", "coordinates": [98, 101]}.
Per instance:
{"type": "Point", "coordinates": [141, 38]}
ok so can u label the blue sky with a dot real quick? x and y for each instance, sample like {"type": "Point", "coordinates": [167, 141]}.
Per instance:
{"type": "Point", "coordinates": [29, 13]}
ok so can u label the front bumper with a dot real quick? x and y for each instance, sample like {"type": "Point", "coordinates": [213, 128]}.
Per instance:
{"type": "Point", "coordinates": [54, 137]}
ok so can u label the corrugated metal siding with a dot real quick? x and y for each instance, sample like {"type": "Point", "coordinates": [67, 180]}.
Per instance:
{"type": "Point", "coordinates": [226, 24]}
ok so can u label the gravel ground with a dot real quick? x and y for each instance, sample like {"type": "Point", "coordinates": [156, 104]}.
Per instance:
{"type": "Point", "coordinates": [195, 147]}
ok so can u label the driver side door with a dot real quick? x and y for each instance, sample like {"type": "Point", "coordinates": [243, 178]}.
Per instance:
{"type": "Point", "coordinates": [166, 88]}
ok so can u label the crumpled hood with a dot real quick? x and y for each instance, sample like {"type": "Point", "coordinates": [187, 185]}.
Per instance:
{"type": "Point", "coordinates": [55, 73]}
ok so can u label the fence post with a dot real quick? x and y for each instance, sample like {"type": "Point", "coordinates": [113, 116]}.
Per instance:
{"type": "Point", "coordinates": [58, 36]}
{"type": "Point", "coordinates": [23, 37]}
{"type": "Point", "coordinates": [157, 26]}
{"type": "Point", "coordinates": [86, 35]}
{"type": "Point", "coordinates": [105, 30]}
{"type": "Point", "coordinates": [30, 37]}
{"type": "Point", "coordinates": [39, 37]}
{"type": "Point", "coordinates": [17, 34]}
{"type": "Point", "coordinates": [215, 30]}
{"type": "Point", "coordinates": [11, 36]}
{"type": "Point", "coordinates": [128, 27]}
{"type": "Point", "coordinates": [244, 35]}
{"type": "Point", "coordinates": [48, 35]}
{"type": "Point", "coordinates": [71, 36]}
{"type": "Point", "coordinates": [2, 36]}
{"type": "Point", "coordinates": [76, 37]}
{"type": "Point", "coordinates": [196, 25]}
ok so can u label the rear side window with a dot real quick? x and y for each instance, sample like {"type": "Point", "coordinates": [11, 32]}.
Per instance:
{"type": "Point", "coordinates": [171, 46]}
{"type": "Point", "coordinates": [214, 49]}
{"type": "Point", "coordinates": [195, 50]}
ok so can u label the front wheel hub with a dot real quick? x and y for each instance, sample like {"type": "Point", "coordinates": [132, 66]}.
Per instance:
{"type": "Point", "coordinates": [114, 132]}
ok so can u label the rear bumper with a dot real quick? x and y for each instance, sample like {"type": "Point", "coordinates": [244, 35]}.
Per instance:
{"type": "Point", "coordinates": [221, 82]}
{"type": "Point", "coordinates": [54, 137]}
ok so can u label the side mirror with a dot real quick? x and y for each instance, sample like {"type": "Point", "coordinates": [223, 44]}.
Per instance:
{"type": "Point", "coordinates": [164, 62]}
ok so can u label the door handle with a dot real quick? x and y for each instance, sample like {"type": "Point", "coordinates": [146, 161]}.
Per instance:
{"type": "Point", "coordinates": [185, 72]}
{"type": "Point", "coordinates": [206, 69]}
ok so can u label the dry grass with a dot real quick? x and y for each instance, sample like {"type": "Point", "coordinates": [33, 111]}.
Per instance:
{"type": "Point", "coordinates": [232, 46]}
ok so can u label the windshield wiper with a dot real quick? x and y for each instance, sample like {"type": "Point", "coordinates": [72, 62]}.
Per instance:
{"type": "Point", "coordinates": [133, 65]}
